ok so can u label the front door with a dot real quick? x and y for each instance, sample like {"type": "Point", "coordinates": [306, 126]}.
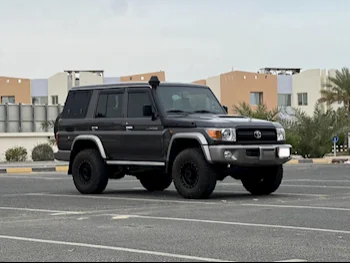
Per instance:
{"type": "Point", "coordinates": [143, 137]}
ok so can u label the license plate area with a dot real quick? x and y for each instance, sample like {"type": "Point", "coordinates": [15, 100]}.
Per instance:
{"type": "Point", "coordinates": [267, 154]}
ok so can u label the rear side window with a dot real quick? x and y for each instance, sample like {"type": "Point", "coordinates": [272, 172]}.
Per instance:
{"type": "Point", "coordinates": [110, 105]}
{"type": "Point", "coordinates": [77, 104]}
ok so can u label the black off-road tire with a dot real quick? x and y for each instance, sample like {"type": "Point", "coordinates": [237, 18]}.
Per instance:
{"type": "Point", "coordinates": [89, 171]}
{"type": "Point", "coordinates": [157, 182]}
{"type": "Point", "coordinates": [263, 181]}
{"type": "Point", "coordinates": [193, 177]}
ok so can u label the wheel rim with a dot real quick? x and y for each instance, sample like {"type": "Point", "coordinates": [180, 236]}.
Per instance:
{"type": "Point", "coordinates": [189, 175]}
{"type": "Point", "coordinates": [85, 173]}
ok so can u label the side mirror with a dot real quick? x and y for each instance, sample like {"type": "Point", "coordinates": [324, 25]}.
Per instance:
{"type": "Point", "coordinates": [147, 111]}
{"type": "Point", "coordinates": [225, 108]}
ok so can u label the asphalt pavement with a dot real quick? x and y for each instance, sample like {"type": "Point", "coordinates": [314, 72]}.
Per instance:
{"type": "Point", "coordinates": [43, 218]}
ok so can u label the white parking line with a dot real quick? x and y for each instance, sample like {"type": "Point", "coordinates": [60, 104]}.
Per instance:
{"type": "Point", "coordinates": [277, 193]}
{"type": "Point", "coordinates": [53, 212]}
{"type": "Point", "coordinates": [22, 194]}
{"type": "Point", "coordinates": [299, 207]}
{"type": "Point", "coordinates": [293, 260]}
{"type": "Point", "coordinates": [137, 251]}
{"type": "Point", "coordinates": [235, 223]}
{"type": "Point", "coordinates": [126, 199]}
{"type": "Point", "coordinates": [316, 186]}
{"type": "Point", "coordinates": [48, 178]}
{"type": "Point", "coordinates": [296, 185]}
{"type": "Point", "coordinates": [317, 180]}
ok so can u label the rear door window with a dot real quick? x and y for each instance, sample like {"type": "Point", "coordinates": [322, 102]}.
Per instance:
{"type": "Point", "coordinates": [77, 104]}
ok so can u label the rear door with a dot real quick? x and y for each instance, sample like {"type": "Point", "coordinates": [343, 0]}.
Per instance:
{"type": "Point", "coordinates": [107, 121]}
{"type": "Point", "coordinates": [73, 121]}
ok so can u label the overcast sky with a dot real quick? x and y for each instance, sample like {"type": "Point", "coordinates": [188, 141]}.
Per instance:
{"type": "Point", "coordinates": [189, 39]}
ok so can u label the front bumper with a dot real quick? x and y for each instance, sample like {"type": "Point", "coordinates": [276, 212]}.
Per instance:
{"type": "Point", "coordinates": [250, 155]}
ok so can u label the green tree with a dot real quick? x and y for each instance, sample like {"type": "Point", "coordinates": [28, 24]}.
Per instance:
{"type": "Point", "coordinates": [310, 136]}
{"type": "Point", "coordinates": [261, 112]}
{"type": "Point", "coordinates": [337, 89]}
{"type": "Point", "coordinates": [47, 125]}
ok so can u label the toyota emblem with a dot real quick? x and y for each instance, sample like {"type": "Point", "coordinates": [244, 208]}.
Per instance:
{"type": "Point", "coordinates": [257, 134]}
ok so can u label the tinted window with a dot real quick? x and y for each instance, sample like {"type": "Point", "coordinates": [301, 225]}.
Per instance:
{"type": "Point", "coordinates": [76, 105]}
{"type": "Point", "coordinates": [136, 102]}
{"type": "Point", "coordinates": [110, 106]}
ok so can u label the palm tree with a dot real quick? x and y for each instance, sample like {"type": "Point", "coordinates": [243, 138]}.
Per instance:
{"type": "Point", "coordinates": [337, 89]}
{"type": "Point", "coordinates": [261, 112]}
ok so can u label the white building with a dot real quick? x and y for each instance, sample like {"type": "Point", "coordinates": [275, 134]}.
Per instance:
{"type": "Point", "coordinates": [61, 83]}
{"type": "Point", "coordinates": [307, 87]}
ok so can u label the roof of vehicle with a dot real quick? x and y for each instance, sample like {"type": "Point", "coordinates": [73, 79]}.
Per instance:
{"type": "Point", "coordinates": [135, 85]}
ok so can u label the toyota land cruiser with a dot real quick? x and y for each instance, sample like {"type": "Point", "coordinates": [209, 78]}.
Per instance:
{"type": "Point", "coordinates": [164, 133]}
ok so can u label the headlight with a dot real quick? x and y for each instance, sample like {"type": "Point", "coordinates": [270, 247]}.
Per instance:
{"type": "Point", "coordinates": [281, 134]}
{"type": "Point", "coordinates": [228, 135]}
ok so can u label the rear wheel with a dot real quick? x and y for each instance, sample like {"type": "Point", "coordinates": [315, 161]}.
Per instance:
{"type": "Point", "coordinates": [157, 182]}
{"type": "Point", "coordinates": [264, 180]}
{"type": "Point", "coordinates": [89, 171]}
{"type": "Point", "coordinates": [193, 177]}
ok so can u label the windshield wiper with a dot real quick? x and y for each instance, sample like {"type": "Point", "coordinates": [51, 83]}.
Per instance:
{"type": "Point", "coordinates": [204, 111]}
{"type": "Point", "coordinates": [177, 111]}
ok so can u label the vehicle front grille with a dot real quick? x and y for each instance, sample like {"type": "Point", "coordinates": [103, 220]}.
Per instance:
{"type": "Point", "coordinates": [249, 135]}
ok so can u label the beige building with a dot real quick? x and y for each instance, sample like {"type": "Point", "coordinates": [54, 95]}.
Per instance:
{"type": "Point", "coordinates": [61, 83]}
{"type": "Point", "coordinates": [15, 90]}
{"type": "Point", "coordinates": [200, 82]}
{"type": "Point", "coordinates": [307, 87]}
{"type": "Point", "coordinates": [235, 87]}
{"type": "Point", "coordinates": [252, 88]}
{"type": "Point", "coordinates": [214, 83]}
{"type": "Point", "coordinates": [143, 77]}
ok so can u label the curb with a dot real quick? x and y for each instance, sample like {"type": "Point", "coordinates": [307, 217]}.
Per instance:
{"type": "Point", "coordinates": [318, 161]}
{"type": "Point", "coordinates": [25, 170]}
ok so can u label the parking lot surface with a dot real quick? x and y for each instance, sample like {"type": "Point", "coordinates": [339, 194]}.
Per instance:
{"type": "Point", "coordinates": [43, 218]}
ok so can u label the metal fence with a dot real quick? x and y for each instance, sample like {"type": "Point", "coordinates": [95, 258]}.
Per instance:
{"type": "Point", "coordinates": [18, 118]}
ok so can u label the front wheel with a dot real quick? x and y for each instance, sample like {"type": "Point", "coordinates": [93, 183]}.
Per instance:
{"type": "Point", "coordinates": [157, 182]}
{"type": "Point", "coordinates": [264, 180]}
{"type": "Point", "coordinates": [193, 176]}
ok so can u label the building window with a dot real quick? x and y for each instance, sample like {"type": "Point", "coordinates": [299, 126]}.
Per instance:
{"type": "Point", "coordinates": [256, 98]}
{"type": "Point", "coordinates": [8, 99]}
{"type": "Point", "coordinates": [54, 100]}
{"type": "Point", "coordinates": [40, 100]}
{"type": "Point", "coordinates": [302, 99]}
{"type": "Point", "coordinates": [284, 100]}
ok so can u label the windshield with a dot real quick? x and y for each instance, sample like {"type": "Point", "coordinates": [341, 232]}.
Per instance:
{"type": "Point", "coordinates": [189, 100]}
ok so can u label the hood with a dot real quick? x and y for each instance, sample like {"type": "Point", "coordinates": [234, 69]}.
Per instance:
{"type": "Point", "coordinates": [219, 121]}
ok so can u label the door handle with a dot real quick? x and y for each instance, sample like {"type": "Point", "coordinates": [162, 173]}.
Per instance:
{"type": "Point", "coordinates": [129, 128]}
{"type": "Point", "coordinates": [94, 128]}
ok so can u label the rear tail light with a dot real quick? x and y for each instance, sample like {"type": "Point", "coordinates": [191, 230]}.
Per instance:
{"type": "Point", "coordinates": [56, 139]}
